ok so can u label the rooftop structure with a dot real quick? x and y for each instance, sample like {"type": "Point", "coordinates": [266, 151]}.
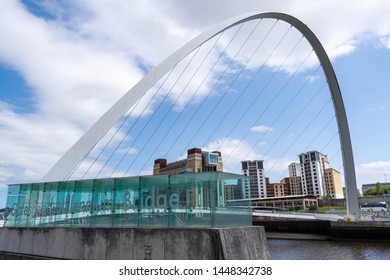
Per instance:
{"type": "Point", "coordinates": [196, 161]}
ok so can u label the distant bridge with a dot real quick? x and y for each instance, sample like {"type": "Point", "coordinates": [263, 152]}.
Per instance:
{"type": "Point", "coordinates": [298, 215]}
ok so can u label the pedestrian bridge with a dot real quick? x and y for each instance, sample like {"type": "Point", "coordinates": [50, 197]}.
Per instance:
{"type": "Point", "coordinates": [259, 85]}
{"type": "Point", "coordinates": [298, 215]}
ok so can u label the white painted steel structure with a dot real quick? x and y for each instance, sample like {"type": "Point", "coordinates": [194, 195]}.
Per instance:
{"type": "Point", "coordinates": [82, 147]}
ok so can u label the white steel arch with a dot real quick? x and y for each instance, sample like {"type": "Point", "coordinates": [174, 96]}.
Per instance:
{"type": "Point", "coordinates": [82, 147]}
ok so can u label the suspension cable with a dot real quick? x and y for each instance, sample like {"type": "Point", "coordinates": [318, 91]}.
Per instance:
{"type": "Point", "coordinates": [167, 112]}
{"type": "Point", "coordinates": [136, 120]}
{"type": "Point", "coordinates": [181, 112]}
{"type": "Point", "coordinates": [204, 99]}
{"type": "Point", "coordinates": [296, 117]}
{"type": "Point", "coordinates": [168, 92]}
{"type": "Point", "coordinates": [285, 34]}
{"type": "Point", "coordinates": [296, 139]}
{"type": "Point", "coordinates": [159, 106]}
{"type": "Point", "coordinates": [258, 96]}
{"type": "Point", "coordinates": [246, 134]}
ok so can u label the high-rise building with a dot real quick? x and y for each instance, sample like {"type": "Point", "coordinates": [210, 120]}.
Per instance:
{"type": "Point", "coordinates": [233, 192]}
{"type": "Point", "coordinates": [255, 170]}
{"type": "Point", "coordinates": [334, 188]}
{"type": "Point", "coordinates": [294, 170]}
{"type": "Point", "coordinates": [286, 186]}
{"type": "Point", "coordinates": [283, 188]}
{"type": "Point", "coordinates": [313, 165]}
{"type": "Point", "coordinates": [270, 191]}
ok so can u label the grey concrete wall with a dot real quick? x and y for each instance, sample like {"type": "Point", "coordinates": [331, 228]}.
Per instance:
{"type": "Point", "coordinates": [332, 202]}
{"type": "Point", "coordinates": [135, 243]}
{"type": "Point", "coordinates": [296, 226]}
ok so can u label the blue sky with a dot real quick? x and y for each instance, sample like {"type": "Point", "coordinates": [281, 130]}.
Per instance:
{"type": "Point", "coordinates": [60, 59]}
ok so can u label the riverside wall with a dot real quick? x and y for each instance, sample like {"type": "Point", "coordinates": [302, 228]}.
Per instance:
{"type": "Point", "coordinates": [361, 231]}
{"type": "Point", "coordinates": [245, 243]}
{"type": "Point", "coordinates": [342, 230]}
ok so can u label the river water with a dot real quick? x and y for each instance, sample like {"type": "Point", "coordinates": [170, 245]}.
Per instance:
{"type": "Point", "coordinates": [327, 250]}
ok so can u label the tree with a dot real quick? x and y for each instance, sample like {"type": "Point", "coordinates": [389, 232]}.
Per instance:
{"type": "Point", "coordinates": [378, 190]}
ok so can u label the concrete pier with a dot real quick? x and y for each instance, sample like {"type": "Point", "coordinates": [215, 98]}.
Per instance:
{"type": "Point", "coordinates": [245, 243]}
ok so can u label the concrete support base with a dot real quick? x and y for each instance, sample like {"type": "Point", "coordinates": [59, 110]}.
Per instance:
{"type": "Point", "coordinates": [135, 243]}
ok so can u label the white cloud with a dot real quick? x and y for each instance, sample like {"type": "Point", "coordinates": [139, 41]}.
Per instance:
{"type": "Point", "coordinates": [278, 167]}
{"type": "Point", "coordinates": [236, 150]}
{"type": "Point", "coordinates": [30, 142]}
{"type": "Point", "coordinates": [385, 41]}
{"type": "Point", "coordinates": [261, 128]}
{"type": "Point", "coordinates": [374, 168]}
{"type": "Point", "coordinates": [194, 77]}
{"type": "Point", "coordinates": [338, 25]}
{"type": "Point", "coordinates": [373, 172]}
{"type": "Point", "coordinates": [371, 109]}
{"type": "Point", "coordinates": [124, 151]}
{"type": "Point", "coordinates": [312, 78]}
{"type": "Point", "coordinates": [73, 78]}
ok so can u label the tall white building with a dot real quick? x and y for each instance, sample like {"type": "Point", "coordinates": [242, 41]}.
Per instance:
{"type": "Point", "coordinates": [313, 166]}
{"type": "Point", "coordinates": [255, 170]}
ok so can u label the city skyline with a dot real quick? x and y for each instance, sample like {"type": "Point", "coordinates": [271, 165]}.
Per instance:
{"type": "Point", "coordinates": [74, 56]}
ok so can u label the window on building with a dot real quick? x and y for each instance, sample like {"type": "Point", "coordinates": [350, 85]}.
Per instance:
{"type": "Point", "coordinates": [213, 159]}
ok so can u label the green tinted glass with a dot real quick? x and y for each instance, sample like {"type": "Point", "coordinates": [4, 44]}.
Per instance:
{"type": "Point", "coordinates": [165, 201]}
